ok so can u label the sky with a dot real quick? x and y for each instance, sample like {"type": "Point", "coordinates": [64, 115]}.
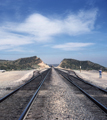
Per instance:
{"type": "Point", "coordinates": [53, 30]}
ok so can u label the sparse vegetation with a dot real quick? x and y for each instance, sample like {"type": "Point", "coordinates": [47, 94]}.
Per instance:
{"type": "Point", "coordinates": [85, 65]}
{"type": "Point", "coordinates": [20, 64]}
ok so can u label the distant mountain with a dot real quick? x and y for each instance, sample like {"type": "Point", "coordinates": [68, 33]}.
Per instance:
{"type": "Point", "coordinates": [21, 64]}
{"type": "Point", "coordinates": [85, 65]}
{"type": "Point", "coordinates": [3, 61]}
{"type": "Point", "coordinates": [55, 65]}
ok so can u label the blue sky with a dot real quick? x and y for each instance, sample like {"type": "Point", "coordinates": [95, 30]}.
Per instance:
{"type": "Point", "coordinates": [54, 30]}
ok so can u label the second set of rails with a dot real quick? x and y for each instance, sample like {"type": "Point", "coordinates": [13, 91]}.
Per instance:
{"type": "Point", "coordinates": [94, 93]}
{"type": "Point", "coordinates": [15, 106]}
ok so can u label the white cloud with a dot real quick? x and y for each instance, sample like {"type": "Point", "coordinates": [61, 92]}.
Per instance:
{"type": "Point", "coordinates": [43, 28]}
{"type": "Point", "coordinates": [17, 49]}
{"type": "Point", "coordinates": [38, 28]}
{"type": "Point", "coordinates": [72, 46]}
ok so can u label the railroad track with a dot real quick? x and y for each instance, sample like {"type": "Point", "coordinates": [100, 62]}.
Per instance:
{"type": "Point", "coordinates": [50, 102]}
{"type": "Point", "coordinates": [15, 105]}
{"type": "Point", "coordinates": [94, 93]}
{"type": "Point", "coordinates": [23, 104]}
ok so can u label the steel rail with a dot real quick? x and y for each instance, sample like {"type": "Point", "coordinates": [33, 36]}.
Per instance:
{"type": "Point", "coordinates": [103, 90]}
{"type": "Point", "coordinates": [88, 82]}
{"type": "Point", "coordinates": [3, 98]}
{"type": "Point", "coordinates": [101, 106]}
{"type": "Point", "coordinates": [31, 100]}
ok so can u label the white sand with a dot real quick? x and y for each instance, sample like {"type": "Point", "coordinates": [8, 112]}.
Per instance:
{"type": "Point", "coordinates": [93, 77]}
{"type": "Point", "coordinates": [43, 65]}
{"type": "Point", "coordinates": [10, 78]}
{"type": "Point", "coordinates": [13, 79]}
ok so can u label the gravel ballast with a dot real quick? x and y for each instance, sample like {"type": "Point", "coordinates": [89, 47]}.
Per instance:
{"type": "Point", "coordinates": [12, 107]}
{"type": "Point", "coordinates": [11, 80]}
{"type": "Point", "coordinates": [58, 99]}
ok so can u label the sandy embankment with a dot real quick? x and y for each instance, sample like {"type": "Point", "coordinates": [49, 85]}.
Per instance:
{"type": "Point", "coordinates": [14, 78]}
{"type": "Point", "coordinates": [10, 80]}
{"type": "Point", "coordinates": [93, 77]}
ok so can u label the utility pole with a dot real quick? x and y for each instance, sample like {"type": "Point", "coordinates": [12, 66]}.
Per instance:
{"type": "Point", "coordinates": [80, 66]}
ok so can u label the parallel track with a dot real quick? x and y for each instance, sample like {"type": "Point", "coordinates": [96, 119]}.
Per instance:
{"type": "Point", "coordinates": [94, 93]}
{"type": "Point", "coordinates": [14, 91]}
{"type": "Point", "coordinates": [13, 104]}
{"type": "Point", "coordinates": [31, 101]}
{"type": "Point", "coordinates": [74, 75]}
{"type": "Point", "coordinates": [16, 105]}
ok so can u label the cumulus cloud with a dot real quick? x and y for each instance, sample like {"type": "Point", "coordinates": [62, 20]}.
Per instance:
{"type": "Point", "coordinates": [39, 28]}
{"type": "Point", "coordinates": [72, 46]}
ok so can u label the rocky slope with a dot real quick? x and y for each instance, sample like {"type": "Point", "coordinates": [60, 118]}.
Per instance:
{"type": "Point", "coordinates": [21, 64]}
{"type": "Point", "coordinates": [85, 65]}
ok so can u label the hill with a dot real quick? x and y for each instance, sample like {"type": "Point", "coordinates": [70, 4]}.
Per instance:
{"type": "Point", "coordinates": [85, 65]}
{"type": "Point", "coordinates": [21, 64]}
